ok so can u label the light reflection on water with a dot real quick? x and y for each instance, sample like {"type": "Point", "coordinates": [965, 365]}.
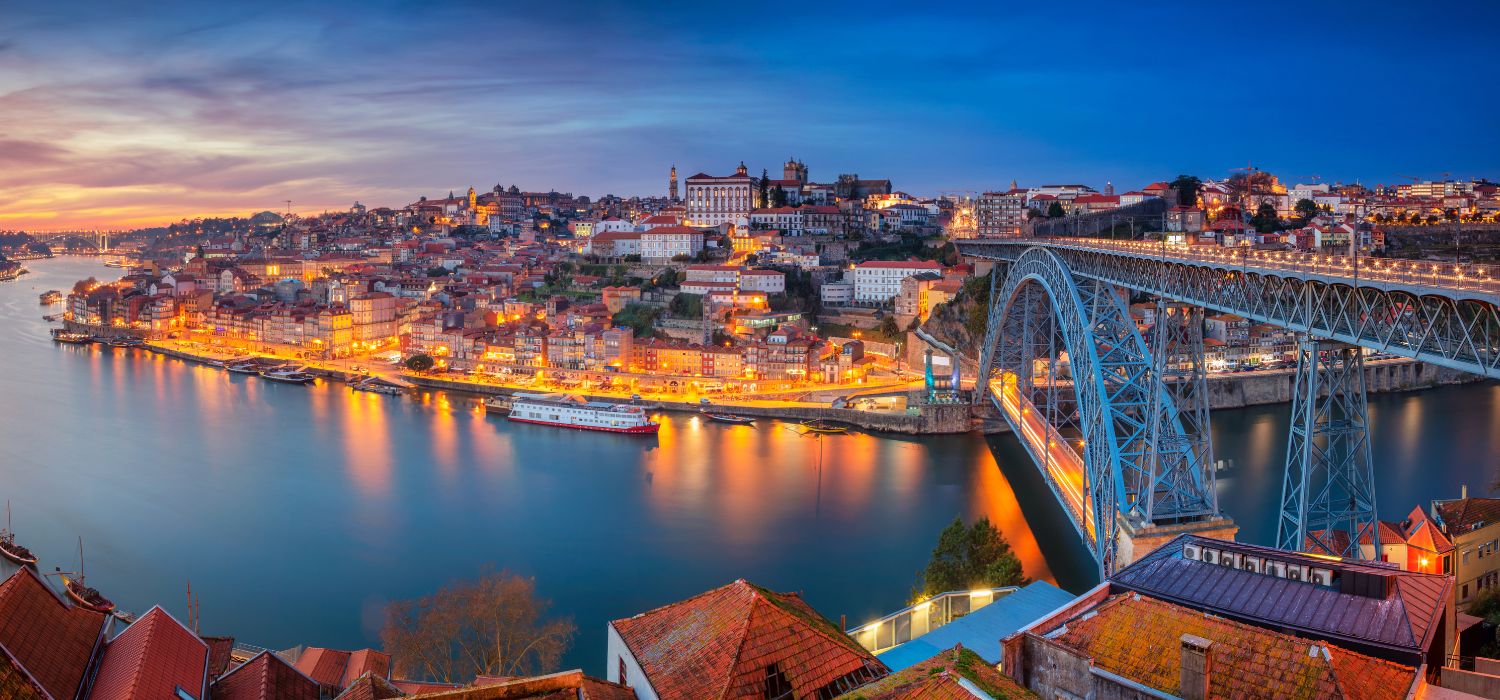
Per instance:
{"type": "Point", "coordinates": [296, 511]}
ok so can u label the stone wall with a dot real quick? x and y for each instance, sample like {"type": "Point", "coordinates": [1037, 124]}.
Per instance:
{"type": "Point", "coordinates": [934, 419]}
{"type": "Point", "coordinates": [1257, 388]}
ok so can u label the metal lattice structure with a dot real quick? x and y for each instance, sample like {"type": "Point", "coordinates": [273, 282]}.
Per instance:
{"type": "Point", "coordinates": [1445, 316]}
{"type": "Point", "coordinates": [1136, 454]}
{"type": "Point", "coordinates": [1177, 348]}
{"type": "Point", "coordinates": [1328, 495]}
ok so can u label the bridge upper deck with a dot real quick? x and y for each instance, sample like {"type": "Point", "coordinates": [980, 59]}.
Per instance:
{"type": "Point", "coordinates": [1420, 278]}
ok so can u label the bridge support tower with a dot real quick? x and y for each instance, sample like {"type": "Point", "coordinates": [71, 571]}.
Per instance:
{"type": "Point", "coordinates": [1328, 494]}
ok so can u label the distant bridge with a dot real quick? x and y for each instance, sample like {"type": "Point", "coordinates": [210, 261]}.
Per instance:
{"type": "Point", "coordinates": [1062, 345]}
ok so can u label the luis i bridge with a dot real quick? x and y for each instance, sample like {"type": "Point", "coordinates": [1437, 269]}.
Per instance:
{"type": "Point", "coordinates": [1117, 420]}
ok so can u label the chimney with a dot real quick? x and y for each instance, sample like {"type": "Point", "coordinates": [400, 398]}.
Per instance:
{"type": "Point", "coordinates": [1196, 667]}
{"type": "Point", "coordinates": [1463, 491]}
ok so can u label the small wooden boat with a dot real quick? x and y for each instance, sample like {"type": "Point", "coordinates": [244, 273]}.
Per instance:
{"type": "Point", "coordinates": [732, 420]}
{"type": "Point", "coordinates": [244, 367]}
{"type": "Point", "coordinates": [821, 428]}
{"type": "Point", "coordinates": [377, 385]}
{"type": "Point", "coordinates": [86, 597]}
{"type": "Point", "coordinates": [52, 318]}
{"type": "Point", "coordinates": [10, 549]}
{"type": "Point", "coordinates": [125, 341]}
{"type": "Point", "coordinates": [288, 376]}
{"type": "Point", "coordinates": [63, 336]}
{"type": "Point", "coordinates": [80, 593]}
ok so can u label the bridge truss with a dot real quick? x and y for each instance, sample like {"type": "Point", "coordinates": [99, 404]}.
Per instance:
{"type": "Point", "coordinates": [1060, 333]}
{"type": "Point", "coordinates": [1073, 352]}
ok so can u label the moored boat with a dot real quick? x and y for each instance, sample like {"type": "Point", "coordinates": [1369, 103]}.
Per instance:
{"type": "Point", "coordinates": [65, 336]}
{"type": "Point", "coordinates": [125, 341]}
{"type": "Point", "coordinates": [86, 597]}
{"type": "Point", "coordinates": [288, 376]}
{"type": "Point", "coordinates": [243, 367]}
{"type": "Point", "coordinates": [12, 550]}
{"type": "Point", "coordinates": [822, 428]}
{"type": "Point", "coordinates": [80, 593]}
{"type": "Point", "coordinates": [732, 420]}
{"type": "Point", "coordinates": [51, 296]}
{"type": "Point", "coordinates": [378, 386]}
{"type": "Point", "coordinates": [498, 405]}
{"type": "Point", "coordinates": [569, 411]}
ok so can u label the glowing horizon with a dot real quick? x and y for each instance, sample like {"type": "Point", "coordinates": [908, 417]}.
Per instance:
{"type": "Point", "coordinates": [117, 117]}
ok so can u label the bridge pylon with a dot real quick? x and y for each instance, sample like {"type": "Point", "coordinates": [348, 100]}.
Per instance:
{"type": "Point", "coordinates": [1328, 493]}
{"type": "Point", "coordinates": [1184, 461]}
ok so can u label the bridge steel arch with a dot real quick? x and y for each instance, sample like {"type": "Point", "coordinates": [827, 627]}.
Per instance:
{"type": "Point", "coordinates": [1455, 326]}
{"type": "Point", "coordinates": [1122, 408]}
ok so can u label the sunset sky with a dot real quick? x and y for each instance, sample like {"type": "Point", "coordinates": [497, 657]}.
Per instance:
{"type": "Point", "coordinates": [116, 117]}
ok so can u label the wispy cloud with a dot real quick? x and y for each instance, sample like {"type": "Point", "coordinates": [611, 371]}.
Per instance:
{"type": "Point", "coordinates": [189, 108]}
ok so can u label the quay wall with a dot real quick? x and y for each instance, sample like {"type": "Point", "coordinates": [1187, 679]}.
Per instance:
{"type": "Point", "coordinates": [1260, 388]}
{"type": "Point", "coordinates": [929, 419]}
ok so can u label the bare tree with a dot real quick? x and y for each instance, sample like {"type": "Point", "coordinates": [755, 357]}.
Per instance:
{"type": "Point", "coordinates": [493, 625]}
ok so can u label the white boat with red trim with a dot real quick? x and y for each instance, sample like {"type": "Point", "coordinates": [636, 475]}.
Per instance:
{"type": "Point", "coordinates": [569, 411]}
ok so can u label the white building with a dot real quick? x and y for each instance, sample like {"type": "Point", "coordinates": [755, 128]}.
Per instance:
{"type": "Point", "coordinates": [667, 242]}
{"type": "Point", "coordinates": [879, 281]}
{"type": "Point", "coordinates": [613, 223]}
{"type": "Point", "coordinates": [712, 273]}
{"type": "Point", "coordinates": [787, 219]}
{"type": "Point", "coordinates": [767, 281]}
{"type": "Point", "coordinates": [837, 293]}
{"type": "Point", "coordinates": [712, 201]}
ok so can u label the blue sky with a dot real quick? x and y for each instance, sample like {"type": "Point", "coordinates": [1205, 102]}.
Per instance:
{"type": "Point", "coordinates": [110, 114]}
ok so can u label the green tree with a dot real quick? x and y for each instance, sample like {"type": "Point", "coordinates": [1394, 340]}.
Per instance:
{"type": "Point", "coordinates": [1265, 219]}
{"type": "Point", "coordinates": [888, 327]}
{"type": "Point", "coordinates": [1306, 209]}
{"type": "Point", "coordinates": [1187, 188]}
{"type": "Point", "coordinates": [420, 363]}
{"type": "Point", "coordinates": [970, 557]}
{"type": "Point", "coordinates": [637, 317]}
{"type": "Point", "coordinates": [686, 305]}
{"type": "Point", "coordinates": [765, 187]}
{"type": "Point", "coordinates": [1055, 211]}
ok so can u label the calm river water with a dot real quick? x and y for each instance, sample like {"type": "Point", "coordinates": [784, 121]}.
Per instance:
{"type": "Point", "coordinates": [297, 512]}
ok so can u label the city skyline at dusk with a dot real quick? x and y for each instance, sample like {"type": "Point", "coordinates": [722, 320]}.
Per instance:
{"type": "Point", "coordinates": [122, 118]}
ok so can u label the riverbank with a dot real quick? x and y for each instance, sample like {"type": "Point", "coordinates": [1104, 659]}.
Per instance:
{"type": "Point", "coordinates": [1226, 391]}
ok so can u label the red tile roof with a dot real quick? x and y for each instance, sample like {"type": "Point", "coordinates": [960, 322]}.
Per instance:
{"type": "Point", "coordinates": [418, 687]}
{"type": "Point", "coordinates": [1140, 638]}
{"type": "Point", "coordinates": [566, 685]}
{"type": "Point", "coordinates": [939, 678]}
{"type": "Point", "coordinates": [265, 677]}
{"type": "Point", "coordinates": [52, 640]}
{"type": "Point", "coordinates": [15, 683]}
{"type": "Point", "coordinates": [220, 652]}
{"type": "Point", "coordinates": [370, 687]}
{"type": "Point", "coordinates": [904, 264]}
{"type": "Point", "coordinates": [152, 658]}
{"type": "Point", "coordinates": [1464, 515]}
{"type": "Point", "coordinates": [720, 644]}
{"type": "Point", "coordinates": [337, 669]}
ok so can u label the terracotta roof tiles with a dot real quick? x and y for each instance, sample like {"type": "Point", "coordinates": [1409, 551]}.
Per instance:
{"type": "Point", "coordinates": [1140, 638]}
{"type": "Point", "coordinates": [724, 643]}
{"type": "Point", "coordinates": [220, 655]}
{"type": "Point", "coordinates": [940, 678]}
{"type": "Point", "coordinates": [153, 658]}
{"type": "Point", "coordinates": [565, 685]}
{"type": "Point", "coordinates": [52, 640]}
{"type": "Point", "coordinates": [265, 677]}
